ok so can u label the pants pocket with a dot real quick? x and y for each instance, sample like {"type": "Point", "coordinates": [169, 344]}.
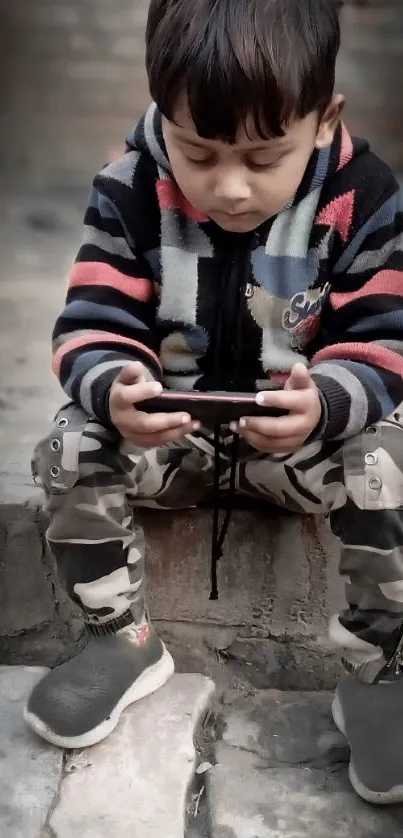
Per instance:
{"type": "Point", "coordinates": [55, 462]}
{"type": "Point", "coordinates": [373, 465]}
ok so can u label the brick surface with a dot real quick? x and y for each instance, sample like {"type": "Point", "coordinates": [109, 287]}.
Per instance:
{"type": "Point", "coordinates": [76, 77]}
{"type": "Point", "coordinates": [369, 71]}
{"type": "Point", "coordinates": [26, 598]}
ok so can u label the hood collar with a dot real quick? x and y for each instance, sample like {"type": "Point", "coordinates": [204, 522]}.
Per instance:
{"type": "Point", "coordinates": [147, 137]}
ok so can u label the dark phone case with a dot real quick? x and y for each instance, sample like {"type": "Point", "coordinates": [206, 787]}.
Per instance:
{"type": "Point", "coordinates": [209, 408]}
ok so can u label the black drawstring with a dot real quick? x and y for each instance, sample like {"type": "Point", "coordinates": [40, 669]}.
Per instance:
{"type": "Point", "coordinates": [218, 536]}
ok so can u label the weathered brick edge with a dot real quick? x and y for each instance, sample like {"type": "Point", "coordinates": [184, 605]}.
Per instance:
{"type": "Point", "coordinates": [38, 625]}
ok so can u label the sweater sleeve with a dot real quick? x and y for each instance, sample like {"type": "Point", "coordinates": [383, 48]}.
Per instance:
{"type": "Point", "coordinates": [109, 317]}
{"type": "Point", "coordinates": [359, 372]}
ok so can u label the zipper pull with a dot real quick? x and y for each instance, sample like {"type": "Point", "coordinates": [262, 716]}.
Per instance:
{"type": "Point", "coordinates": [396, 660]}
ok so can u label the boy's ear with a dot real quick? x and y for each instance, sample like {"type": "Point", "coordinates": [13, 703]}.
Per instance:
{"type": "Point", "coordinates": [329, 122]}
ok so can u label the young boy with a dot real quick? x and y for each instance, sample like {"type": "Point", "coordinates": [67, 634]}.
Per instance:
{"type": "Point", "coordinates": [243, 239]}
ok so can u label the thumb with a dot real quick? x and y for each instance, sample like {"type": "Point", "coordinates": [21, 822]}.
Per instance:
{"type": "Point", "coordinates": [132, 373]}
{"type": "Point", "coordinates": [299, 378]}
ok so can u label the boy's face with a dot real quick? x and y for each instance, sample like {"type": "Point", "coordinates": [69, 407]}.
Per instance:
{"type": "Point", "coordinates": [242, 185]}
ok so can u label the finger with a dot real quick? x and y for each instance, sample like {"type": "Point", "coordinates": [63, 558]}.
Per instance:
{"type": "Point", "coordinates": [131, 373]}
{"type": "Point", "coordinates": [160, 439]}
{"type": "Point", "coordinates": [299, 378]}
{"type": "Point", "coordinates": [129, 395]}
{"type": "Point", "coordinates": [272, 446]}
{"type": "Point", "coordinates": [155, 423]}
{"type": "Point", "coordinates": [285, 426]}
{"type": "Point", "coordinates": [291, 400]}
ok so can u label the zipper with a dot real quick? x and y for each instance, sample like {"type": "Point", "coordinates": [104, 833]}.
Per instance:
{"type": "Point", "coordinates": [396, 660]}
{"type": "Point", "coordinates": [234, 283]}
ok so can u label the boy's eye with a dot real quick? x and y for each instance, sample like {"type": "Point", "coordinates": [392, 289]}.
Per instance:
{"type": "Point", "coordinates": [262, 164]}
{"type": "Point", "coordinates": [199, 161]}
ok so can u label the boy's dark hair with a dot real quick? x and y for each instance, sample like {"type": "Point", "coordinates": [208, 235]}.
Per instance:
{"type": "Point", "coordinates": [272, 60]}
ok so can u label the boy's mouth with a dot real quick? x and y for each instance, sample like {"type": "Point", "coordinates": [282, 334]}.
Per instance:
{"type": "Point", "coordinates": [233, 215]}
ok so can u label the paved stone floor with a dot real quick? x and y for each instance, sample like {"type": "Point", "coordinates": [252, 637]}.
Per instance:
{"type": "Point", "coordinates": [133, 785]}
{"type": "Point", "coordinates": [281, 772]}
{"type": "Point", "coordinates": [268, 765]}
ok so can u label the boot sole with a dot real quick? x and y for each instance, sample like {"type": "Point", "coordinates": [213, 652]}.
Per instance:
{"type": "Point", "coordinates": [148, 682]}
{"type": "Point", "coordinates": [377, 798]}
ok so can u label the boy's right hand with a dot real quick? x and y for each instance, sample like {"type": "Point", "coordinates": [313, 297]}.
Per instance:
{"type": "Point", "coordinates": [146, 430]}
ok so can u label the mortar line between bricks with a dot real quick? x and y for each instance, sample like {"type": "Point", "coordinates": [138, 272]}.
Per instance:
{"type": "Point", "coordinates": [204, 749]}
{"type": "Point", "coordinates": [283, 637]}
{"type": "Point", "coordinates": [38, 519]}
{"type": "Point", "coordinates": [48, 831]}
{"type": "Point", "coordinates": [315, 763]}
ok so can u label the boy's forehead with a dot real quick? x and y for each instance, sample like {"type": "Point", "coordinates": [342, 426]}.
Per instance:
{"type": "Point", "coordinates": [247, 136]}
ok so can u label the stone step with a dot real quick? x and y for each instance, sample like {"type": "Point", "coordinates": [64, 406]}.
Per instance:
{"type": "Point", "coordinates": [135, 784]}
{"type": "Point", "coordinates": [281, 772]}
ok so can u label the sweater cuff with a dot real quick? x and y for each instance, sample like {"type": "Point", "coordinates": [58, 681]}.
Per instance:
{"type": "Point", "coordinates": [101, 391]}
{"type": "Point", "coordinates": [336, 407]}
{"type": "Point", "coordinates": [319, 431]}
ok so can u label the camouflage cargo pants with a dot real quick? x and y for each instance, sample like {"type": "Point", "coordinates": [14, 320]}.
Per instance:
{"type": "Point", "coordinates": [93, 480]}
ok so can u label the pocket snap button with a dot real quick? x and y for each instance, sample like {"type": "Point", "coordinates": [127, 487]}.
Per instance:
{"type": "Point", "coordinates": [371, 430]}
{"type": "Point", "coordinates": [371, 459]}
{"type": "Point", "coordinates": [375, 483]}
{"type": "Point", "coordinates": [55, 445]}
{"type": "Point", "coordinates": [63, 422]}
{"type": "Point", "coordinates": [55, 471]}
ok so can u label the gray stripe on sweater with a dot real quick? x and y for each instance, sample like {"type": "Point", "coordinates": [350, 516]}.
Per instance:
{"type": "Point", "coordinates": [91, 376]}
{"type": "Point", "coordinates": [151, 138]}
{"type": "Point", "coordinates": [179, 291]}
{"type": "Point", "coordinates": [289, 235]}
{"type": "Point", "coordinates": [375, 259]}
{"type": "Point", "coordinates": [359, 402]}
{"type": "Point", "coordinates": [76, 333]}
{"type": "Point", "coordinates": [123, 169]}
{"type": "Point", "coordinates": [116, 245]}
{"type": "Point", "coordinates": [393, 345]}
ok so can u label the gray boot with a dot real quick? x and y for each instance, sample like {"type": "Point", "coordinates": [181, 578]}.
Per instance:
{"type": "Point", "coordinates": [371, 718]}
{"type": "Point", "coordinates": [80, 703]}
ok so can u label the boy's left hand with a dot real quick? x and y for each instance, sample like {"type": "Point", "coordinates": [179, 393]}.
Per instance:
{"type": "Point", "coordinates": [284, 434]}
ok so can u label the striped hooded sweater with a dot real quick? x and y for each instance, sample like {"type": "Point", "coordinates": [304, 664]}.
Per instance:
{"type": "Point", "coordinates": [321, 282]}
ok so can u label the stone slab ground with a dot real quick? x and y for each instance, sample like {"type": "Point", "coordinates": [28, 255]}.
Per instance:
{"type": "Point", "coordinates": [268, 764]}
{"type": "Point", "coordinates": [135, 784]}
{"type": "Point", "coordinates": [281, 772]}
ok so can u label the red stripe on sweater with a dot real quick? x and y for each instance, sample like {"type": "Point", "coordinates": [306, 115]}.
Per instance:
{"type": "Point", "coordinates": [170, 197]}
{"type": "Point", "coordinates": [384, 282]}
{"type": "Point", "coordinates": [347, 149]}
{"type": "Point", "coordinates": [96, 337]}
{"type": "Point", "coordinates": [339, 214]}
{"type": "Point", "coordinates": [99, 273]}
{"type": "Point", "coordinates": [367, 353]}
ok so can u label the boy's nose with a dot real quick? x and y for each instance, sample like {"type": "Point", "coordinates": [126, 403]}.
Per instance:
{"type": "Point", "coordinates": [232, 189]}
